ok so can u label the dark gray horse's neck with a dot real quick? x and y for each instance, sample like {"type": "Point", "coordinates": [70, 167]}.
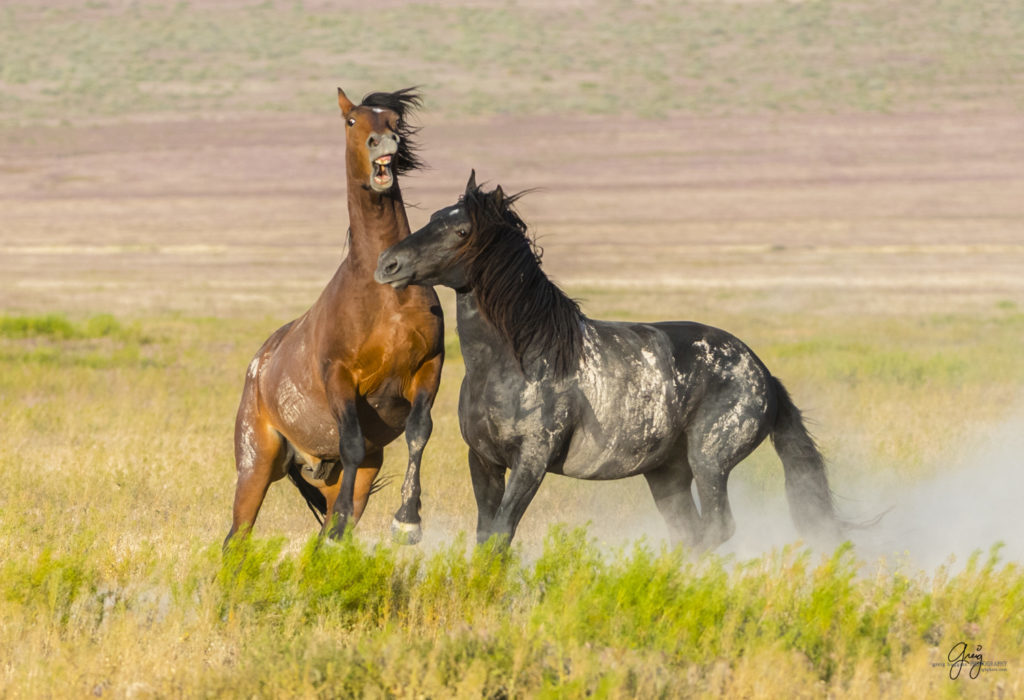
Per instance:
{"type": "Point", "coordinates": [480, 341]}
{"type": "Point", "coordinates": [486, 351]}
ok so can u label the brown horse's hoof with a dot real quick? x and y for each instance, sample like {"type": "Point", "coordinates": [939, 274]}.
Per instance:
{"type": "Point", "coordinates": [323, 470]}
{"type": "Point", "coordinates": [406, 533]}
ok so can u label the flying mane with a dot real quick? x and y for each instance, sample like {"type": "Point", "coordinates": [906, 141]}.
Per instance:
{"type": "Point", "coordinates": [403, 103]}
{"type": "Point", "coordinates": [513, 293]}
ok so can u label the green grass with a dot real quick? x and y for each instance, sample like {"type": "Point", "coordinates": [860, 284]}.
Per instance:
{"type": "Point", "coordinates": [118, 479]}
{"type": "Point", "coordinates": [59, 327]}
{"type": "Point", "coordinates": [349, 620]}
{"type": "Point", "coordinates": [75, 62]}
{"type": "Point", "coordinates": [97, 342]}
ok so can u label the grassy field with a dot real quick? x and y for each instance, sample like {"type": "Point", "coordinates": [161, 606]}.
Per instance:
{"type": "Point", "coordinates": [836, 182]}
{"type": "Point", "coordinates": [118, 475]}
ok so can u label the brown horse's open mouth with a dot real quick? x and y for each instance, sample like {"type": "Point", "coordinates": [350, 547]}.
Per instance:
{"type": "Point", "coordinates": [382, 177]}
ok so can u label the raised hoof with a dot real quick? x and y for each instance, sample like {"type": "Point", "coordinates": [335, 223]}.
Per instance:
{"type": "Point", "coordinates": [406, 533]}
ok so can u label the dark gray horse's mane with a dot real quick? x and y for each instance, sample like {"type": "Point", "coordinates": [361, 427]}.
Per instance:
{"type": "Point", "coordinates": [403, 103]}
{"type": "Point", "coordinates": [513, 293]}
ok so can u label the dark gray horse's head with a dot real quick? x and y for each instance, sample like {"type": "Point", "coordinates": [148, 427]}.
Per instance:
{"type": "Point", "coordinates": [436, 253]}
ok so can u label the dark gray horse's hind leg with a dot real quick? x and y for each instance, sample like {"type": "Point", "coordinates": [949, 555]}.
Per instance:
{"type": "Point", "coordinates": [715, 513]}
{"type": "Point", "coordinates": [489, 488]}
{"type": "Point", "coordinates": [670, 486]}
{"type": "Point", "coordinates": [713, 447]}
{"type": "Point", "coordinates": [712, 476]}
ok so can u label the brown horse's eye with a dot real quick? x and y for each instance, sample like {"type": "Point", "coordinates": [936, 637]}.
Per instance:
{"type": "Point", "coordinates": [351, 121]}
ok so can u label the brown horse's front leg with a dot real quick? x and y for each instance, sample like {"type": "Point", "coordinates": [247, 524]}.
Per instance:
{"type": "Point", "coordinates": [365, 480]}
{"type": "Point", "coordinates": [406, 528]}
{"type": "Point", "coordinates": [352, 448]}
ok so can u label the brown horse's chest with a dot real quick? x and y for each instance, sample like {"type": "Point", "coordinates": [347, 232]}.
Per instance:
{"type": "Point", "coordinates": [372, 356]}
{"type": "Point", "coordinates": [394, 350]}
{"type": "Point", "coordinates": [382, 415]}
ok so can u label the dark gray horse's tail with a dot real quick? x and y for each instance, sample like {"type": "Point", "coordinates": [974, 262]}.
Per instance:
{"type": "Point", "coordinates": [810, 499]}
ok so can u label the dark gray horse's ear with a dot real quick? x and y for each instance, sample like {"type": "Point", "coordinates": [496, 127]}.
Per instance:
{"type": "Point", "coordinates": [499, 196]}
{"type": "Point", "coordinates": [471, 185]}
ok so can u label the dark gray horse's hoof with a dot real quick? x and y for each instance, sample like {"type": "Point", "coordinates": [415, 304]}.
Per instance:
{"type": "Point", "coordinates": [406, 533]}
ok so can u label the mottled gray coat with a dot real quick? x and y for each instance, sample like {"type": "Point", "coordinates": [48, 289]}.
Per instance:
{"type": "Point", "coordinates": [677, 402]}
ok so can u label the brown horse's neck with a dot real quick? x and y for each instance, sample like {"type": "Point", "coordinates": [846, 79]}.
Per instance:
{"type": "Point", "coordinates": [376, 222]}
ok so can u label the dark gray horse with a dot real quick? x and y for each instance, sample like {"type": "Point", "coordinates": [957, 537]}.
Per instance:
{"type": "Point", "coordinates": [549, 390]}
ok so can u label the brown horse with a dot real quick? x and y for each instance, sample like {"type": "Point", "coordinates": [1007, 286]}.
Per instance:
{"type": "Point", "coordinates": [329, 390]}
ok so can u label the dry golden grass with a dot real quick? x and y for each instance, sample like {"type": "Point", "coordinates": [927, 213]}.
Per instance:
{"type": "Point", "coordinates": [118, 480]}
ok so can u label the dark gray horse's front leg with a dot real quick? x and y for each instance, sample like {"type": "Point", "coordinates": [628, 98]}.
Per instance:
{"type": "Point", "coordinates": [523, 481]}
{"type": "Point", "coordinates": [405, 527]}
{"type": "Point", "coordinates": [489, 488]}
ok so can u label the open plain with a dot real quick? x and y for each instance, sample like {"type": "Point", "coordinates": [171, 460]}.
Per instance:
{"type": "Point", "coordinates": [171, 191]}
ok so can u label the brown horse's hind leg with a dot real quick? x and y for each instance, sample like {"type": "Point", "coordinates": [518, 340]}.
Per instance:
{"type": "Point", "coordinates": [259, 458]}
{"type": "Point", "coordinates": [670, 486]}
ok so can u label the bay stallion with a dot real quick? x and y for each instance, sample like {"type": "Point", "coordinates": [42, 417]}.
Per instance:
{"type": "Point", "coordinates": [328, 391]}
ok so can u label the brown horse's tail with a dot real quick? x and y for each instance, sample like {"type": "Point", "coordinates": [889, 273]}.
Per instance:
{"type": "Point", "coordinates": [810, 499]}
{"type": "Point", "coordinates": [314, 499]}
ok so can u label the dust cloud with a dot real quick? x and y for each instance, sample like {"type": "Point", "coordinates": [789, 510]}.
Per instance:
{"type": "Point", "coordinates": [972, 502]}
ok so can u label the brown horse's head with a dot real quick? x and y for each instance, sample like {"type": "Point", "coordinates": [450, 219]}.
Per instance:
{"type": "Point", "coordinates": [378, 144]}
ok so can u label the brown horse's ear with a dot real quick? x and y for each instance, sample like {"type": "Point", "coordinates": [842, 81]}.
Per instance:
{"type": "Point", "coordinates": [471, 185]}
{"type": "Point", "coordinates": [345, 103]}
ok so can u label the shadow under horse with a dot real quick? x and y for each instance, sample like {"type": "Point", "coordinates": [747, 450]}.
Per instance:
{"type": "Point", "coordinates": [329, 390]}
{"type": "Point", "coordinates": [549, 390]}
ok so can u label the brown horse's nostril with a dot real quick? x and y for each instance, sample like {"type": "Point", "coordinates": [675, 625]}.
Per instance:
{"type": "Point", "coordinates": [373, 141]}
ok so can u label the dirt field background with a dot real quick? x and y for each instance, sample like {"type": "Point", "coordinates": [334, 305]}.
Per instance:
{"type": "Point", "coordinates": [841, 156]}
{"type": "Point", "coordinates": [246, 214]}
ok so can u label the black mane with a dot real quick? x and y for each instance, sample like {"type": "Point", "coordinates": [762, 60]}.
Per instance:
{"type": "Point", "coordinates": [403, 103]}
{"type": "Point", "coordinates": [513, 293]}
